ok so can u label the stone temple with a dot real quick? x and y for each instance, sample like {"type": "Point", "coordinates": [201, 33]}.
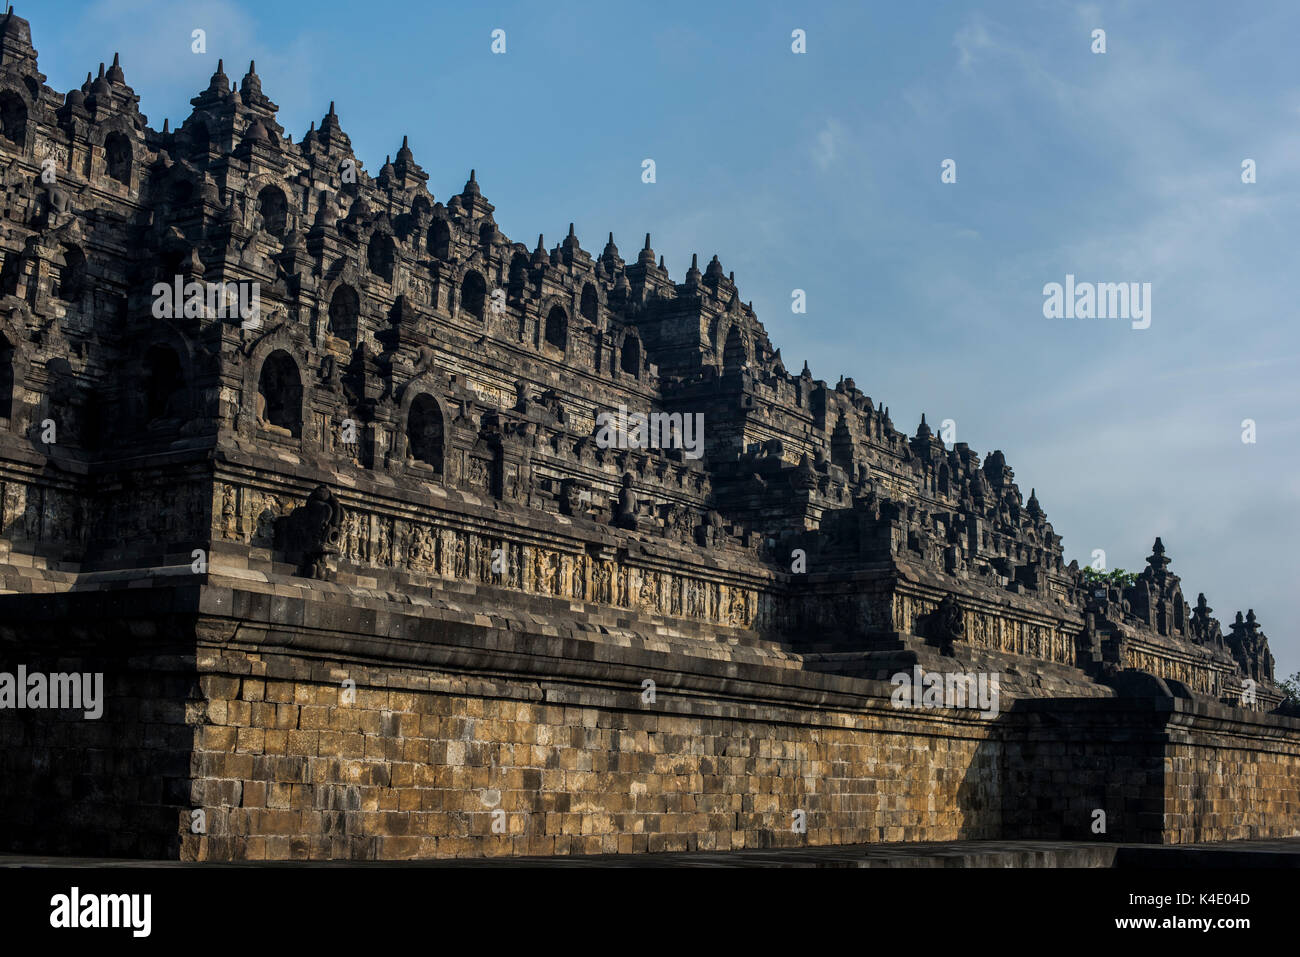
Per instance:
{"type": "Point", "coordinates": [310, 466]}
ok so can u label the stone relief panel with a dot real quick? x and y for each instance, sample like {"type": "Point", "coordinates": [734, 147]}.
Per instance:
{"type": "Point", "coordinates": [246, 515]}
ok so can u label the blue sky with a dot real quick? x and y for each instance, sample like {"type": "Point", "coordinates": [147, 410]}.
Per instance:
{"type": "Point", "coordinates": [821, 172]}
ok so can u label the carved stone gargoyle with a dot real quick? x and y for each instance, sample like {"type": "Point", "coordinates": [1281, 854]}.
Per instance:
{"type": "Point", "coordinates": [944, 625]}
{"type": "Point", "coordinates": [313, 534]}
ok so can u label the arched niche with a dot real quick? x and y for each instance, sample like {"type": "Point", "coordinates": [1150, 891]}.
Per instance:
{"type": "Point", "coordinates": [200, 138]}
{"type": "Point", "coordinates": [440, 240]}
{"type": "Point", "coordinates": [70, 278]}
{"type": "Point", "coordinates": [279, 395]}
{"type": "Point", "coordinates": [381, 255]}
{"type": "Point", "coordinates": [345, 313]}
{"type": "Point", "coordinates": [555, 334]}
{"type": "Point", "coordinates": [423, 438]}
{"type": "Point", "coordinates": [590, 306]}
{"type": "Point", "coordinates": [274, 210]}
{"type": "Point", "coordinates": [473, 294]}
{"type": "Point", "coordinates": [13, 119]}
{"type": "Point", "coordinates": [734, 355]}
{"type": "Point", "coordinates": [163, 387]}
{"type": "Point", "coordinates": [118, 157]}
{"type": "Point", "coordinates": [426, 434]}
{"type": "Point", "coordinates": [629, 358]}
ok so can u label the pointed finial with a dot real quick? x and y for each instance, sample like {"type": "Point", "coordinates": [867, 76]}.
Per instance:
{"type": "Point", "coordinates": [695, 260]}
{"type": "Point", "coordinates": [471, 176]}
{"type": "Point", "coordinates": [570, 229]}
{"type": "Point", "coordinates": [101, 69]}
{"type": "Point", "coordinates": [166, 125]}
{"type": "Point", "coordinates": [252, 66]}
{"type": "Point", "coordinates": [541, 244]}
{"type": "Point", "coordinates": [331, 112]}
{"type": "Point", "coordinates": [647, 240]}
{"type": "Point", "coordinates": [404, 146]}
{"type": "Point", "coordinates": [661, 260]}
{"type": "Point", "coordinates": [611, 238]}
{"type": "Point", "coordinates": [116, 61]}
{"type": "Point", "coordinates": [221, 63]}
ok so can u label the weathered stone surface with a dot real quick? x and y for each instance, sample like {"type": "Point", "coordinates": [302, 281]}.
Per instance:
{"type": "Point", "coordinates": [362, 568]}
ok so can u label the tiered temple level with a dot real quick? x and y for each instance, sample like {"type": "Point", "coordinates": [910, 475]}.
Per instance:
{"type": "Point", "coordinates": [414, 410]}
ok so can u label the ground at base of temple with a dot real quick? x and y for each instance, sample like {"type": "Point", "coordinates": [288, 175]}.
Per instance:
{"type": "Point", "coordinates": [1001, 854]}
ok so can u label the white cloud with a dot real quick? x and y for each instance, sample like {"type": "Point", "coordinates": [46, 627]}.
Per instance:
{"type": "Point", "coordinates": [971, 41]}
{"type": "Point", "coordinates": [827, 144]}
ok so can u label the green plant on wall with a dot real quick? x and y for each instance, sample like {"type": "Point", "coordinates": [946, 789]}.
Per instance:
{"type": "Point", "coordinates": [1116, 577]}
{"type": "Point", "coordinates": [1291, 687]}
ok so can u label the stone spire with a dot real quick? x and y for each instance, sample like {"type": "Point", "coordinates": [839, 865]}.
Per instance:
{"type": "Point", "coordinates": [218, 89]}
{"type": "Point", "coordinates": [101, 88]}
{"type": "Point", "coordinates": [1032, 507]}
{"type": "Point", "coordinates": [331, 137]}
{"type": "Point", "coordinates": [219, 83]}
{"type": "Point", "coordinates": [610, 258]}
{"type": "Point", "coordinates": [571, 249]}
{"type": "Point", "coordinates": [472, 201]}
{"type": "Point", "coordinates": [406, 167]}
{"type": "Point", "coordinates": [250, 91]}
{"type": "Point", "coordinates": [693, 274]}
{"type": "Point", "coordinates": [329, 126]}
{"type": "Point", "coordinates": [923, 431]}
{"type": "Point", "coordinates": [1157, 560]}
{"type": "Point", "coordinates": [647, 255]}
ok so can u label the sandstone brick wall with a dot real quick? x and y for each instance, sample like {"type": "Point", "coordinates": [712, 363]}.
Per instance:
{"type": "Point", "coordinates": [285, 768]}
{"type": "Point", "coordinates": [1164, 771]}
{"type": "Point", "coordinates": [108, 787]}
{"type": "Point", "coordinates": [456, 716]}
{"type": "Point", "coordinates": [1231, 780]}
{"type": "Point", "coordinates": [1067, 762]}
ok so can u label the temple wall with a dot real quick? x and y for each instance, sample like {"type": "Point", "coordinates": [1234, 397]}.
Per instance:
{"type": "Point", "coordinates": [1231, 775]}
{"type": "Point", "coordinates": [1163, 770]}
{"type": "Point", "coordinates": [291, 767]}
{"type": "Point", "coordinates": [109, 787]}
{"type": "Point", "coordinates": [322, 729]}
